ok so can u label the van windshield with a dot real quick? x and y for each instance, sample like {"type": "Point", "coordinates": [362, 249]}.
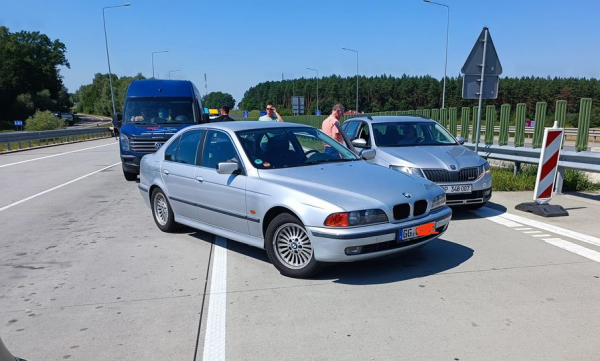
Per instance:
{"type": "Point", "coordinates": [158, 111]}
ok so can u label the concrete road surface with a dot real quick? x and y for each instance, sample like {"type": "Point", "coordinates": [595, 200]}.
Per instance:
{"type": "Point", "coordinates": [86, 275]}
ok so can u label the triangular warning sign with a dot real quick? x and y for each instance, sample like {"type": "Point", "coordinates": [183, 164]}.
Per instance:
{"type": "Point", "coordinates": [475, 59]}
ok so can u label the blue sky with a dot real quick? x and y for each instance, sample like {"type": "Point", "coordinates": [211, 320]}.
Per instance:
{"type": "Point", "coordinates": [239, 44]}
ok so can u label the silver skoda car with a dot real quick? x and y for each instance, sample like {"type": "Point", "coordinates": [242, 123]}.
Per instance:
{"type": "Point", "coordinates": [273, 186]}
{"type": "Point", "coordinates": [422, 147]}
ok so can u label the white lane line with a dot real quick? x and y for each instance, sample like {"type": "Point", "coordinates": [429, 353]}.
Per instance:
{"type": "Point", "coordinates": [541, 235]}
{"type": "Point", "coordinates": [55, 155]}
{"type": "Point", "coordinates": [55, 188]}
{"type": "Point", "coordinates": [575, 248]}
{"type": "Point", "coordinates": [214, 338]}
{"type": "Point", "coordinates": [522, 229]}
{"type": "Point", "coordinates": [489, 212]}
{"type": "Point", "coordinates": [531, 232]}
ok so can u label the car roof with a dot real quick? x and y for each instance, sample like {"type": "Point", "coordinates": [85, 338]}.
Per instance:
{"type": "Point", "coordinates": [248, 125]}
{"type": "Point", "coordinates": [394, 119]}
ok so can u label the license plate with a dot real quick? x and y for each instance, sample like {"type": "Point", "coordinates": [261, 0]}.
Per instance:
{"type": "Point", "coordinates": [417, 231]}
{"type": "Point", "coordinates": [461, 188]}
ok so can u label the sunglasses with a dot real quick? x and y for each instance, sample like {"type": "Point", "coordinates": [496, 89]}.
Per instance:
{"type": "Point", "coordinates": [270, 108]}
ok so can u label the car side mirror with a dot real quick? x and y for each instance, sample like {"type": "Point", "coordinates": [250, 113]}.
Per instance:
{"type": "Point", "coordinates": [228, 167]}
{"type": "Point", "coordinates": [116, 120]}
{"type": "Point", "coordinates": [359, 142]}
{"type": "Point", "coordinates": [460, 140]}
{"type": "Point", "coordinates": [368, 154]}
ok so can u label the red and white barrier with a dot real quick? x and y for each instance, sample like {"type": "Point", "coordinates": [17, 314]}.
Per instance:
{"type": "Point", "coordinates": [546, 175]}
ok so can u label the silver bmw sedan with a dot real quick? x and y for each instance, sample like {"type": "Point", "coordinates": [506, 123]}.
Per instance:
{"type": "Point", "coordinates": [422, 147]}
{"type": "Point", "coordinates": [274, 186]}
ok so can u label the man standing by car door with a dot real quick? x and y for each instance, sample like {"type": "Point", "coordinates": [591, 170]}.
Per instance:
{"type": "Point", "coordinates": [329, 127]}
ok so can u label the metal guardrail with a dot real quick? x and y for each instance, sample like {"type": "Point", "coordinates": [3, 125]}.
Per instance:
{"type": "Point", "coordinates": [51, 135]}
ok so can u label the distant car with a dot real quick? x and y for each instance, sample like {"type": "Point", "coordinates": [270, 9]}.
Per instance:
{"type": "Point", "coordinates": [68, 118]}
{"type": "Point", "coordinates": [271, 185]}
{"type": "Point", "coordinates": [421, 146]}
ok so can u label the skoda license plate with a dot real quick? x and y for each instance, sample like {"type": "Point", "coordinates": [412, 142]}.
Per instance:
{"type": "Point", "coordinates": [461, 188]}
{"type": "Point", "coordinates": [405, 234]}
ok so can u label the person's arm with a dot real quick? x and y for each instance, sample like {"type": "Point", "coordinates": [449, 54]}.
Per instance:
{"type": "Point", "coordinates": [279, 117]}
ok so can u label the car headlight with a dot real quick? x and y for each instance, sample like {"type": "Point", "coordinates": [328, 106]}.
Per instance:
{"type": "Point", "coordinates": [439, 201]}
{"type": "Point", "coordinates": [356, 218]}
{"type": "Point", "coordinates": [124, 141]}
{"type": "Point", "coordinates": [409, 170]}
{"type": "Point", "coordinates": [483, 169]}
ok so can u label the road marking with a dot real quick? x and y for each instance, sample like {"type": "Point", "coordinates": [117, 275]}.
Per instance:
{"type": "Point", "coordinates": [55, 188]}
{"type": "Point", "coordinates": [55, 155]}
{"type": "Point", "coordinates": [522, 229]}
{"type": "Point", "coordinates": [214, 337]}
{"type": "Point", "coordinates": [530, 232]}
{"type": "Point", "coordinates": [575, 248]}
{"type": "Point", "coordinates": [541, 235]}
{"type": "Point", "coordinates": [489, 212]}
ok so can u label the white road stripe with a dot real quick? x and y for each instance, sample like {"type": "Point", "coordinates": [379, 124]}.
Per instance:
{"type": "Point", "coordinates": [530, 232]}
{"type": "Point", "coordinates": [489, 212]}
{"type": "Point", "coordinates": [541, 235]}
{"type": "Point", "coordinates": [214, 338]}
{"type": "Point", "coordinates": [575, 248]}
{"type": "Point", "coordinates": [522, 229]}
{"type": "Point", "coordinates": [55, 155]}
{"type": "Point", "coordinates": [55, 188]}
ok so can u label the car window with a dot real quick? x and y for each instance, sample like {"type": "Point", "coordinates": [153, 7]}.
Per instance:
{"type": "Point", "coordinates": [172, 150]}
{"type": "Point", "coordinates": [218, 148]}
{"type": "Point", "coordinates": [188, 147]}
{"type": "Point", "coordinates": [363, 133]}
{"type": "Point", "coordinates": [350, 129]}
{"type": "Point", "coordinates": [399, 134]}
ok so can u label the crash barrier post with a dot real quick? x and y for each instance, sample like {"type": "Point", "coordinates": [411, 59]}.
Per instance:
{"type": "Point", "coordinates": [583, 125]}
{"type": "Point", "coordinates": [560, 116]}
{"type": "Point", "coordinates": [504, 120]}
{"type": "Point", "coordinates": [444, 117]}
{"type": "Point", "coordinates": [540, 119]}
{"type": "Point", "coordinates": [452, 115]}
{"type": "Point", "coordinates": [464, 121]}
{"type": "Point", "coordinates": [490, 122]}
{"type": "Point", "coordinates": [435, 115]}
{"type": "Point", "coordinates": [520, 125]}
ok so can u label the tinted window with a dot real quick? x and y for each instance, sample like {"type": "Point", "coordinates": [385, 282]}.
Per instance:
{"type": "Point", "coordinates": [350, 128]}
{"type": "Point", "coordinates": [188, 147]}
{"type": "Point", "coordinates": [218, 148]}
{"type": "Point", "coordinates": [172, 150]}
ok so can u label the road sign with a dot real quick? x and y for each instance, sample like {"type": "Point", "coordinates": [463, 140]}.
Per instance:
{"type": "Point", "coordinates": [18, 123]}
{"type": "Point", "coordinates": [471, 86]}
{"type": "Point", "coordinates": [544, 183]}
{"type": "Point", "coordinates": [298, 104]}
{"type": "Point", "coordinates": [246, 114]}
{"type": "Point", "coordinates": [263, 112]}
{"type": "Point", "coordinates": [474, 60]}
{"type": "Point", "coordinates": [318, 112]}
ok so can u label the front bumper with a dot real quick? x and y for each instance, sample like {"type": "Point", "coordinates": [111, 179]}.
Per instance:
{"type": "Point", "coordinates": [330, 244]}
{"type": "Point", "coordinates": [131, 163]}
{"type": "Point", "coordinates": [481, 192]}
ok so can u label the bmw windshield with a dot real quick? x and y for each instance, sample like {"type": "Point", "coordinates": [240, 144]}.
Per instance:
{"type": "Point", "coordinates": [410, 134]}
{"type": "Point", "coordinates": [159, 111]}
{"type": "Point", "coordinates": [291, 147]}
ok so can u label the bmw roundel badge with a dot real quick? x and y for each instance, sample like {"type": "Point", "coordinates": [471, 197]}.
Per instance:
{"type": "Point", "coordinates": [407, 195]}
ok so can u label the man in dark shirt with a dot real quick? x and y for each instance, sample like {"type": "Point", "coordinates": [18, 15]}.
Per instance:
{"type": "Point", "coordinates": [224, 117]}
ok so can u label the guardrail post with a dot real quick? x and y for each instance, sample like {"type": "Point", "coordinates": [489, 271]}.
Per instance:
{"type": "Point", "coordinates": [464, 121]}
{"type": "Point", "coordinates": [444, 117]}
{"type": "Point", "coordinates": [504, 120]}
{"type": "Point", "coordinates": [453, 115]}
{"type": "Point", "coordinates": [520, 125]}
{"type": "Point", "coordinates": [583, 125]}
{"type": "Point", "coordinates": [490, 121]}
{"type": "Point", "coordinates": [435, 115]}
{"type": "Point", "coordinates": [540, 120]}
{"type": "Point", "coordinates": [475, 109]}
{"type": "Point", "coordinates": [560, 116]}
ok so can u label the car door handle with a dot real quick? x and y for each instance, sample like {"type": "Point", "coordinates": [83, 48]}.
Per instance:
{"type": "Point", "coordinates": [166, 172]}
{"type": "Point", "coordinates": [200, 179]}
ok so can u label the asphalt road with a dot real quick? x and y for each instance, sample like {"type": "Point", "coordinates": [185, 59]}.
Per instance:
{"type": "Point", "coordinates": [86, 275]}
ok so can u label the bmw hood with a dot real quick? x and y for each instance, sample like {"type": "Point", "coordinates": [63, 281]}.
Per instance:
{"type": "Point", "coordinates": [432, 157]}
{"type": "Point", "coordinates": [354, 185]}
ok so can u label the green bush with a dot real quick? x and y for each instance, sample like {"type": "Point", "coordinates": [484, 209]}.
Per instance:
{"type": "Point", "coordinates": [44, 121]}
{"type": "Point", "coordinates": [504, 180]}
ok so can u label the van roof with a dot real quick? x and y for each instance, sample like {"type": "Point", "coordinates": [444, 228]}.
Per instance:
{"type": "Point", "coordinates": [160, 88]}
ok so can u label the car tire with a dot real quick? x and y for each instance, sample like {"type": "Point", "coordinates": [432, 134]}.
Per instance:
{"type": "Point", "coordinates": [473, 207]}
{"type": "Point", "coordinates": [289, 248]}
{"type": "Point", "coordinates": [162, 211]}
{"type": "Point", "coordinates": [130, 176]}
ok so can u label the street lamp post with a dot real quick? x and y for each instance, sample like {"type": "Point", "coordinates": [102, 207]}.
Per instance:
{"type": "Point", "coordinates": [112, 94]}
{"type": "Point", "coordinates": [172, 71]}
{"type": "Point", "coordinates": [356, 51]}
{"type": "Point", "coordinates": [156, 52]}
{"type": "Point", "coordinates": [446, 62]}
{"type": "Point", "coordinates": [317, 85]}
